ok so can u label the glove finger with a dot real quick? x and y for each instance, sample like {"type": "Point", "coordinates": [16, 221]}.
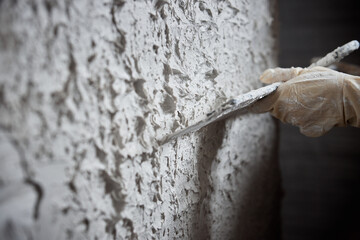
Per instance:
{"type": "Point", "coordinates": [279, 74]}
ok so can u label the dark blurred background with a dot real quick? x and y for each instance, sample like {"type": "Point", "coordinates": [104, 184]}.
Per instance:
{"type": "Point", "coordinates": [321, 176]}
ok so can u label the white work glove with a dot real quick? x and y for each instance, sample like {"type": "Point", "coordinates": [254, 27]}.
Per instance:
{"type": "Point", "coordinates": [314, 99]}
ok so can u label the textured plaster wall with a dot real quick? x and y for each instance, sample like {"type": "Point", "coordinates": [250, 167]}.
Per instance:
{"type": "Point", "coordinates": [86, 90]}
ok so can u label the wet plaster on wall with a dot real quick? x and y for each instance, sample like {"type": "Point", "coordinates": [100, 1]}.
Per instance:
{"type": "Point", "coordinates": [87, 88]}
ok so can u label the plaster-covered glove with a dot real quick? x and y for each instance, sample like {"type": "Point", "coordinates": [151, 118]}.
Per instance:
{"type": "Point", "coordinates": [314, 99]}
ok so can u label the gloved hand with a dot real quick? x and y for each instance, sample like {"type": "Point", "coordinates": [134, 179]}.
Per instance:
{"type": "Point", "coordinates": [314, 99]}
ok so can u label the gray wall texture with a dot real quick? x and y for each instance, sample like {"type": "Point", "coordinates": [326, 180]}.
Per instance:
{"type": "Point", "coordinates": [87, 88]}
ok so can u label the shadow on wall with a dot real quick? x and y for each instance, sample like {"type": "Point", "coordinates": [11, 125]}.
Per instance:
{"type": "Point", "coordinates": [211, 141]}
{"type": "Point", "coordinates": [251, 205]}
{"type": "Point", "coordinates": [248, 226]}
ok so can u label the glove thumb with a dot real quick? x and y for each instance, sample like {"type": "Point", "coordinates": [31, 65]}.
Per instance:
{"type": "Point", "coordinates": [266, 104]}
{"type": "Point", "coordinates": [279, 74]}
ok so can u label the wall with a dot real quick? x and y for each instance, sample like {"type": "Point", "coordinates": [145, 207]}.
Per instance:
{"type": "Point", "coordinates": [87, 88]}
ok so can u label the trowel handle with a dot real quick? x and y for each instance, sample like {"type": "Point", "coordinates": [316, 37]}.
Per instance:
{"type": "Point", "coordinates": [336, 55]}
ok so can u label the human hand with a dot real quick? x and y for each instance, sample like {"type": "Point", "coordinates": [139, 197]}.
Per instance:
{"type": "Point", "coordinates": [314, 99]}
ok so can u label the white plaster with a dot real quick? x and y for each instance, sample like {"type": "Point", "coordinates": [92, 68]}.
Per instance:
{"type": "Point", "coordinates": [86, 90]}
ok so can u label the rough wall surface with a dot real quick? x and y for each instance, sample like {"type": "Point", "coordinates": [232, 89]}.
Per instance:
{"type": "Point", "coordinates": [86, 90]}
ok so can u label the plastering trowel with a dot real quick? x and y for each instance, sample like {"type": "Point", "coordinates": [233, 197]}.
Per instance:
{"type": "Point", "coordinates": [245, 100]}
